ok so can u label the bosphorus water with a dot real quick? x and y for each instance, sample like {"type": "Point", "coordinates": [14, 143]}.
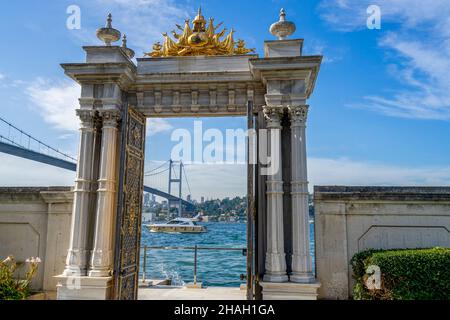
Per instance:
{"type": "Point", "coordinates": [215, 268]}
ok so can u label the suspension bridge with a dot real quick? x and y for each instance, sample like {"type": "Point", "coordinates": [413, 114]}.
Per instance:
{"type": "Point", "coordinates": [14, 141]}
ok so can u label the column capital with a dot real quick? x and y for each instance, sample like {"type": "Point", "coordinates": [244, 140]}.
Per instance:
{"type": "Point", "coordinates": [273, 115]}
{"type": "Point", "coordinates": [87, 117]}
{"type": "Point", "coordinates": [110, 117]}
{"type": "Point", "coordinates": [298, 114]}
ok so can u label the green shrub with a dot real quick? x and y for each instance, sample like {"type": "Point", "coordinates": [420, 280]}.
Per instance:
{"type": "Point", "coordinates": [16, 289]}
{"type": "Point", "coordinates": [406, 274]}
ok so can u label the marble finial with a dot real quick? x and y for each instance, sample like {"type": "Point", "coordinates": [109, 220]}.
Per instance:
{"type": "Point", "coordinates": [282, 28]}
{"type": "Point", "coordinates": [130, 53]}
{"type": "Point", "coordinates": [108, 34]}
{"type": "Point", "coordinates": [109, 21]}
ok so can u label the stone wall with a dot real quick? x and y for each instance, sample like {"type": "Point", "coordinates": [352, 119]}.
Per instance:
{"type": "Point", "coordinates": [351, 219]}
{"type": "Point", "coordinates": [35, 222]}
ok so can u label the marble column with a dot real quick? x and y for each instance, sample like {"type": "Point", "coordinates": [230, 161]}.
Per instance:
{"type": "Point", "coordinates": [78, 253]}
{"type": "Point", "coordinates": [102, 254]}
{"type": "Point", "coordinates": [275, 262]}
{"type": "Point", "coordinates": [301, 258]}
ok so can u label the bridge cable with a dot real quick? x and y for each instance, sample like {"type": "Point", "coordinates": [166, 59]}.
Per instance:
{"type": "Point", "coordinates": [156, 173]}
{"type": "Point", "coordinates": [187, 182]}
{"type": "Point", "coordinates": [150, 171]}
{"type": "Point", "coordinates": [30, 137]}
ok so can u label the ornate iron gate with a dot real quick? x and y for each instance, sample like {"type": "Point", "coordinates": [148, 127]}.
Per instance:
{"type": "Point", "coordinates": [129, 213]}
{"type": "Point", "coordinates": [251, 203]}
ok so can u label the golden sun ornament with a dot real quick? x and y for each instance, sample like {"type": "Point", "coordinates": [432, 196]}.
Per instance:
{"type": "Point", "coordinates": [201, 40]}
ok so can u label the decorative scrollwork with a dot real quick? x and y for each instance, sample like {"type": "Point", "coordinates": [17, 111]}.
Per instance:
{"type": "Point", "coordinates": [131, 205]}
{"type": "Point", "coordinates": [202, 39]}
{"type": "Point", "coordinates": [87, 117]}
{"type": "Point", "coordinates": [110, 118]}
{"type": "Point", "coordinates": [127, 287]}
{"type": "Point", "coordinates": [273, 115]}
{"type": "Point", "coordinates": [298, 114]}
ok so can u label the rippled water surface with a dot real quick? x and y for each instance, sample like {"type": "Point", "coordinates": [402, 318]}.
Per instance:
{"type": "Point", "coordinates": [215, 268]}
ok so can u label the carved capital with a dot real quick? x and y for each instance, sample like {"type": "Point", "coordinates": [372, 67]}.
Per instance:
{"type": "Point", "coordinates": [110, 118]}
{"type": "Point", "coordinates": [97, 122]}
{"type": "Point", "coordinates": [298, 114]}
{"type": "Point", "coordinates": [87, 118]}
{"type": "Point", "coordinates": [273, 114]}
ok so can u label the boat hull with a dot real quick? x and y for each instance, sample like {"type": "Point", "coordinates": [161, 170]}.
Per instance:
{"type": "Point", "coordinates": [177, 229]}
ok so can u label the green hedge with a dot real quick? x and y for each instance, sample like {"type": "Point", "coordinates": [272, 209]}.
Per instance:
{"type": "Point", "coordinates": [406, 274]}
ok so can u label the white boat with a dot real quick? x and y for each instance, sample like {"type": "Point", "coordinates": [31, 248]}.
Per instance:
{"type": "Point", "coordinates": [197, 218]}
{"type": "Point", "coordinates": [178, 225]}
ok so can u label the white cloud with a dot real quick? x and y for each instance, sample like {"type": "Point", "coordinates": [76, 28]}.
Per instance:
{"type": "Point", "coordinates": [143, 21]}
{"type": "Point", "coordinates": [2, 76]}
{"type": "Point", "coordinates": [219, 181]}
{"type": "Point", "coordinates": [56, 103]}
{"type": "Point", "coordinates": [157, 125]}
{"type": "Point", "coordinates": [343, 171]}
{"type": "Point", "coordinates": [349, 15]}
{"type": "Point", "coordinates": [421, 51]}
{"type": "Point", "coordinates": [208, 180]}
{"type": "Point", "coordinates": [222, 180]}
{"type": "Point", "coordinates": [19, 172]}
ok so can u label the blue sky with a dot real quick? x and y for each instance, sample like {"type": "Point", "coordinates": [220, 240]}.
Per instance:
{"type": "Point", "coordinates": [379, 115]}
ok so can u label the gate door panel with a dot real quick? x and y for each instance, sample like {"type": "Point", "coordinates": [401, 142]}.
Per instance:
{"type": "Point", "coordinates": [129, 213]}
{"type": "Point", "coordinates": [251, 202]}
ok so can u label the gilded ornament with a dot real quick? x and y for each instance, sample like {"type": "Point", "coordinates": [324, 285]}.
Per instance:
{"type": "Point", "coordinates": [203, 39]}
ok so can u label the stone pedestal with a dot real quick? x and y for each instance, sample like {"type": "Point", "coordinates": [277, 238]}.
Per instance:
{"type": "Point", "coordinates": [283, 48]}
{"type": "Point", "coordinates": [84, 288]}
{"type": "Point", "coordinates": [290, 291]}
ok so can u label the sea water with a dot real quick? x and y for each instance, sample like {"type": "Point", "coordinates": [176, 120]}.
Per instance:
{"type": "Point", "coordinates": [214, 268]}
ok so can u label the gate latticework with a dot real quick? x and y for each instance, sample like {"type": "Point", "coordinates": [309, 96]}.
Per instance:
{"type": "Point", "coordinates": [130, 205]}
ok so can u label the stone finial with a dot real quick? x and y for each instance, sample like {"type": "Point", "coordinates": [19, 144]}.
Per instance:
{"type": "Point", "coordinates": [282, 28]}
{"type": "Point", "coordinates": [108, 34]}
{"type": "Point", "coordinates": [128, 51]}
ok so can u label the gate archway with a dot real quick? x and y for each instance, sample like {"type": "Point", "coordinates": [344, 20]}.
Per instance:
{"type": "Point", "coordinates": [198, 75]}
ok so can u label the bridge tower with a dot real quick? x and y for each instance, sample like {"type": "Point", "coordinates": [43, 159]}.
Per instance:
{"type": "Point", "coordinates": [178, 203]}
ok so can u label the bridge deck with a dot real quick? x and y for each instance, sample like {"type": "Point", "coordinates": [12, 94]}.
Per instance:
{"type": "Point", "coordinates": [68, 165]}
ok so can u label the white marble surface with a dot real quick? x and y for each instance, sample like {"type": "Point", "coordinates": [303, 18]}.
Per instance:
{"type": "Point", "coordinates": [283, 48]}
{"type": "Point", "coordinates": [210, 293]}
{"type": "Point", "coordinates": [301, 257]}
{"type": "Point", "coordinates": [290, 291]}
{"type": "Point", "coordinates": [193, 65]}
{"type": "Point", "coordinates": [84, 288]}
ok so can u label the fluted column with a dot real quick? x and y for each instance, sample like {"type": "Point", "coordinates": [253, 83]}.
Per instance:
{"type": "Point", "coordinates": [275, 255]}
{"type": "Point", "coordinates": [102, 253]}
{"type": "Point", "coordinates": [78, 253]}
{"type": "Point", "coordinates": [301, 258]}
